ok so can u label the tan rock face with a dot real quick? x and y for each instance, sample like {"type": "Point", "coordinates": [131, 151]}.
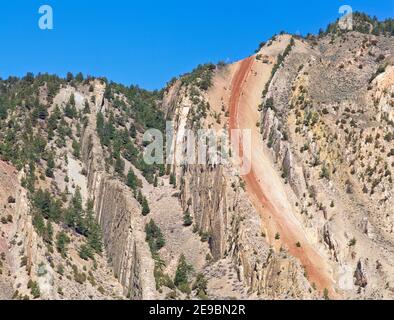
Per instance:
{"type": "Point", "coordinates": [313, 217]}
{"type": "Point", "coordinates": [314, 138]}
{"type": "Point", "coordinates": [222, 211]}
{"type": "Point", "coordinates": [9, 187]}
{"type": "Point", "coordinates": [331, 123]}
{"type": "Point", "coordinates": [121, 222]}
{"type": "Point", "coordinates": [24, 256]}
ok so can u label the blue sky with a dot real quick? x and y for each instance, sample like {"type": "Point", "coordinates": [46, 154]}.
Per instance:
{"type": "Point", "coordinates": [148, 42]}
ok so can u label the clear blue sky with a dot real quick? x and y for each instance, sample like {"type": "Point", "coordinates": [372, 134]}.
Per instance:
{"type": "Point", "coordinates": [148, 42]}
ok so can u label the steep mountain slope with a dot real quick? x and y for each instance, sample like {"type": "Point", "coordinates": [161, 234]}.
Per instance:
{"type": "Point", "coordinates": [263, 183]}
{"type": "Point", "coordinates": [83, 216]}
{"type": "Point", "coordinates": [321, 164]}
{"type": "Point", "coordinates": [326, 118]}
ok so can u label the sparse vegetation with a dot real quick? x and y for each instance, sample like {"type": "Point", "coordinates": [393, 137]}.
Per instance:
{"type": "Point", "coordinates": [352, 242]}
{"type": "Point", "coordinates": [200, 77]}
{"type": "Point", "coordinates": [200, 285]}
{"type": "Point", "coordinates": [62, 241]}
{"type": "Point", "coordinates": [34, 289]}
{"type": "Point", "coordinates": [187, 219]}
{"type": "Point", "coordinates": [154, 237]}
{"type": "Point", "coordinates": [183, 271]}
{"type": "Point", "coordinates": [278, 64]}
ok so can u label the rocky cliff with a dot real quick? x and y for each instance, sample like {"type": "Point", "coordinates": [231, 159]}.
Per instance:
{"type": "Point", "coordinates": [215, 196]}
{"type": "Point", "coordinates": [119, 215]}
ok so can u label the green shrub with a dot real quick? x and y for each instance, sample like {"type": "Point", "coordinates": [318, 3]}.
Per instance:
{"type": "Point", "coordinates": [34, 289]}
{"type": "Point", "coordinates": [62, 242]}
{"type": "Point", "coordinates": [187, 219]}
{"type": "Point", "coordinates": [145, 207]}
{"type": "Point", "coordinates": [86, 252]}
{"type": "Point", "coordinates": [154, 237]}
{"type": "Point", "coordinates": [182, 274]}
{"type": "Point", "coordinates": [200, 285]}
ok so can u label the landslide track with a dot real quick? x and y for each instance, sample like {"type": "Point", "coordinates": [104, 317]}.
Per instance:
{"type": "Point", "coordinates": [265, 189]}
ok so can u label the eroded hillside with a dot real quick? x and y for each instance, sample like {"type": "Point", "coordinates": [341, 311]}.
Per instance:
{"type": "Point", "coordinates": [83, 216]}
{"type": "Point", "coordinates": [320, 112]}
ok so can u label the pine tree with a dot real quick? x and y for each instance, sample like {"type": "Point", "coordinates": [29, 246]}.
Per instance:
{"type": "Point", "coordinates": [154, 236]}
{"type": "Point", "coordinates": [201, 285]}
{"type": "Point", "coordinates": [119, 165]}
{"type": "Point", "coordinates": [86, 108]}
{"type": "Point", "coordinates": [86, 252]}
{"type": "Point", "coordinates": [100, 125]}
{"type": "Point", "coordinates": [108, 92]}
{"type": "Point", "coordinates": [70, 111]}
{"type": "Point", "coordinates": [48, 236]}
{"type": "Point", "coordinates": [132, 180]}
{"type": "Point", "coordinates": [39, 224]}
{"type": "Point", "coordinates": [74, 215]}
{"type": "Point", "coordinates": [69, 77]}
{"type": "Point", "coordinates": [76, 149]}
{"type": "Point", "coordinates": [93, 230]}
{"type": "Point", "coordinates": [182, 273]}
{"type": "Point", "coordinates": [72, 100]}
{"type": "Point", "coordinates": [79, 77]}
{"type": "Point", "coordinates": [187, 219]}
{"type": "Point", "coordinates": [145, 207]}
{"type": "Point", "coordinates": [50, 166]}
{"type": "Point", "coordinates": [133, 131]}
{"type": "Point", "coordinates": [61, 244]}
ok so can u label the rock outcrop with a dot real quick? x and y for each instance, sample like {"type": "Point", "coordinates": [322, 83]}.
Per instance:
{"type": "Point", "coordinates": [120, 218]}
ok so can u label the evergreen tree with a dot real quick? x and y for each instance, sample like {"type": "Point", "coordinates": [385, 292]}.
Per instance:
{"type": "Point", "coordinates": [86, 108]}
{"type": "Point", "coordinates": [39, 224]}
{"type": "Point", "coordinates": [79, 77]}
{"type": "Point", "coordinates": [182, 273]}
{"type": "Point", "coordinates": [76, 149]}
{"type": "Point", "coordinates": [108, 92]}
{"type": "Point", "coordinates": [72, 100]}
{"type": "Point", "coordinates": [100, 124]}
{"type": "Point", "coordinates": [70, 111]}
{"type": "Point", "coordinates": [145, 207]}
{"type": "Point", "coordinates": [201, 286]}
{"type": "Point", "coordinates": [130, 153]}
{"type": "Point", "coordinates": [70, 77]}
{"type": "Point", "coordinates": [154, 237]}
{"type": "Point", "coordinates": [133, 131]}
{"type": "Point", "coordinates": [75, 216]}
{"type": "Point", "coordinates": [119, 165]}
{"type": "Point", "coordinates": [93, 230]}
{"type": "Point", "coordinates": [132, 180]}
{"type": "Point", "coordinates": [46, 206]}
{"type": "Point", "coordinates": [86, 252]}
{"type": "Point", "coordinates": [187, 219]}
{"type": "Point", "coordinates": [50, 166]}
{"type": "Point", "coordinates": [48, 236]}
{"type": "Point", "coordinates": [62, 242]}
